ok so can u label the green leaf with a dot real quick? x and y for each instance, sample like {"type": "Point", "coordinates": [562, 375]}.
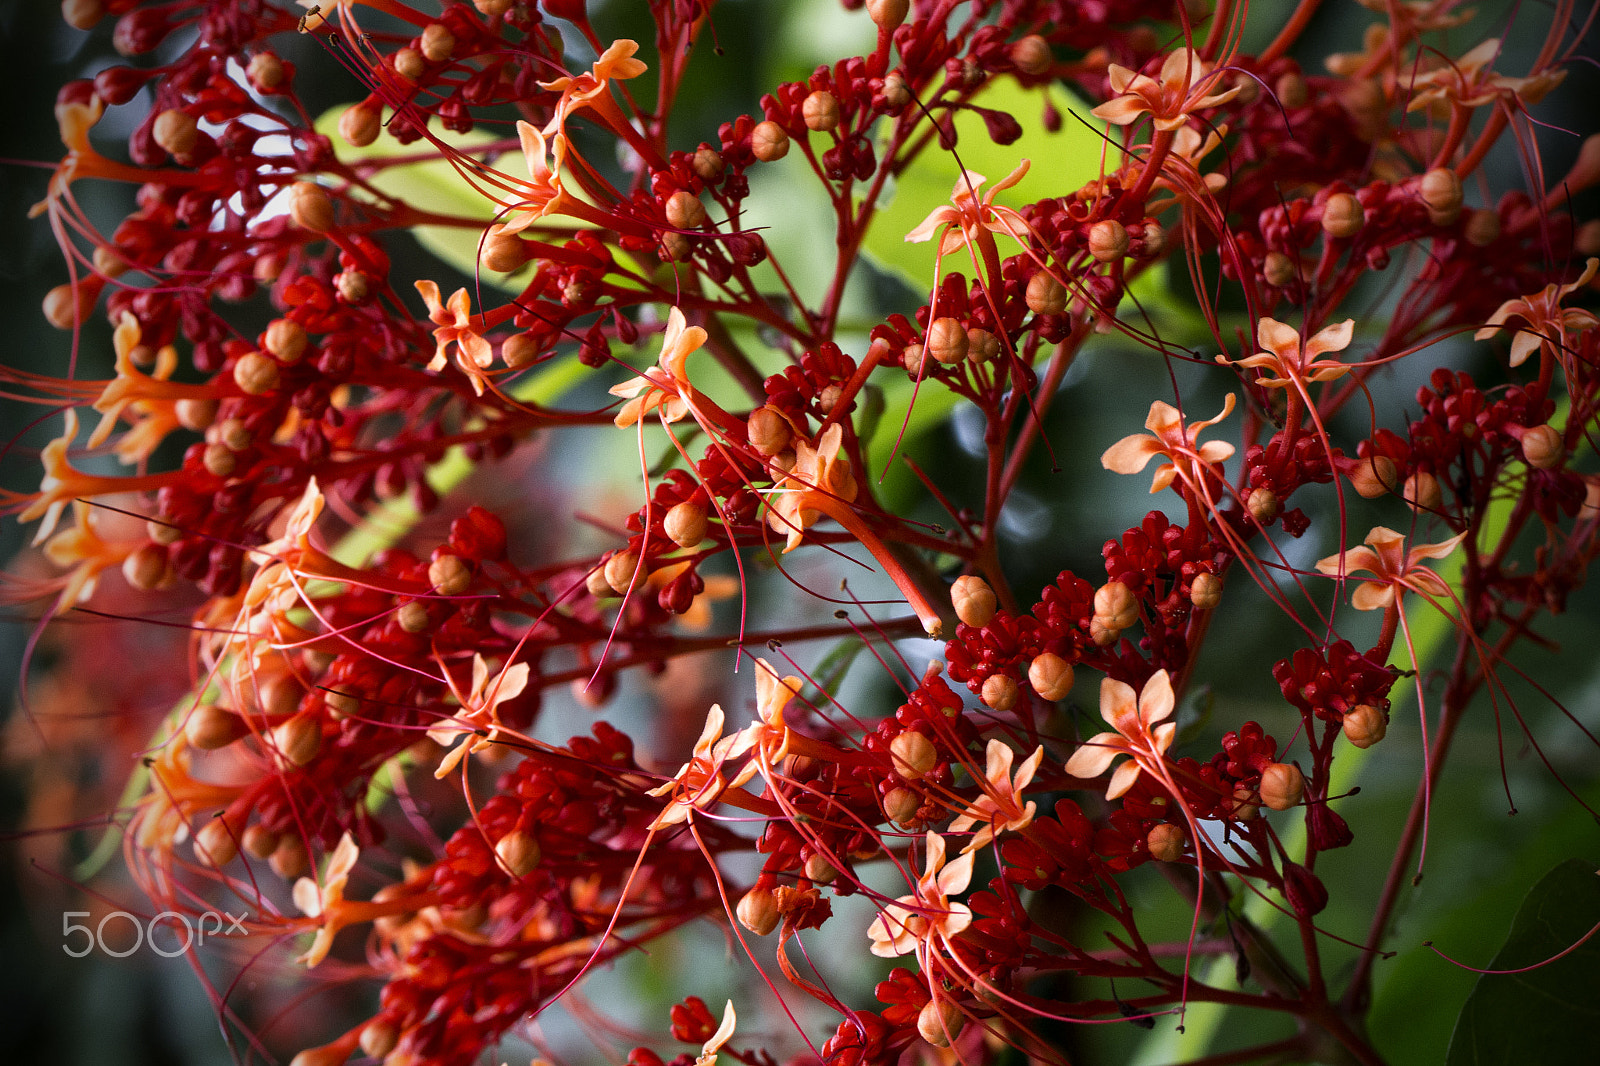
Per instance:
{"type": "Point", "coordinates": [1549, 1013]}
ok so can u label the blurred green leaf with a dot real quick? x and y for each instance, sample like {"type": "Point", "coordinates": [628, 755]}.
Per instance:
{"type": "Point", "coordinates": [1549, 1013]}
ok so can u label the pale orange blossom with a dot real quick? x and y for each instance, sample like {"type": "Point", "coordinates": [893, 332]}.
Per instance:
{"type": "Point", "coordinates": [1168, 437]}
{"type": "Point", "coordinates": [1134, 718]}
{"type": "Point", "coordinates": [1393, 568]}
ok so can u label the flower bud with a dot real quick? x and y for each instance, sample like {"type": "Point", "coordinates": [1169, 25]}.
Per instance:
{"type": "Point", "coordinates": [1292, 90]}
{"type": "Point", "coordinates": [1165, 842]}
{"type": "Point", "coordinates": [310, 207]}
{"type": "Point", "coordinates": [911, 360]}
{"type": "Point", "coordinates": [67, 305]}
{"type": "Point", "coordinates": [674, 247]}
{"type": "Point", "coordinates": [449, 575]}
{"type": "Point", "coordinates": [277, 694]}
{"type": "Point", "coordinates": [913, 754]}
{"type": "Point", "coordinates": [686, 524]}
{"type": "Point", "coordinates": [289, 860]}
{"type": "Point", "coordinates": [505, 252]}
{"type": "Point", "coordinates": [520, 349]}
{"type": "Point", "coordinates": [758, 911]}
{"type": "Point", "coordinates": [1115, 606]}
{"type": "Point", "coordinates": [1374, 475]}
{"type": "Point", "coordinates": [147, 567]}
{"type": "Point", "coordinates": [353, 286]}
{"type": "Point", "coordinates": [256, 373]}
{"type": "Point", "coordinates": [1422, 493]}
{"type": "Point", "coordinates": [1278, 269]}
{"type": "Point", "coordinates": [409, 64]}
{"type": "Point", "coordinates": [982, 346]}
{"type": "Point", "coordinates": [218, 460]}
{"type": "Point", "coordinates": [210, 727]}
{"type": "Point", "coordinates": [259, 841]}
{"type": "Point", "coordinates": [413, 617]}
{"type": "Point", "coordinates": [1543, 447]}
{"type": "Point", "coordinates": [1304, 890]}
{"type": "Point", "coordinates": [1244, 804]}
{"type": "Point", "coordinates": [1440, 190]}
{"type": "Point", "coordinates": [708, 164]}
{"type": "Point", "coordinates": [437, 42]}
{"type": "Point", "coordinates": [285, 339]}
{"type": "Point", "coordinates": [234, 433]}
{"type": "Point", "coordinates": [1282, 785]}
{"type": "Point", "coordinates": [265, 71]}
{"type": "Point", "coordinates": [1102, 634]}
{"type": "Point", "coordinates": [379, 1038]}
{"type": "Point", "coordinates": [299, 739]}
{"type": "Point", "coordinates": [768, 431]}
{"type": "Point", "coordinates": [518, 852]}
{"type": "Point", "coordinates": [215, 844]}
{"type": "Point", "coordinates": [85, 14]}
{"type": "Point", "coordinates": [819, 870]}
{"type": "Point", "coordinates": [888, 14]}
{"type": "Point", "coordinates": [597, 584]}
{"type": "Point", "coordinates": [895, 91]}
{"type": "Point", "coordinates": [1045, 295]}
{"type": "Point", "coordinates": [361, 123]}
{"type": "Point", "coordinates": [1365, 725]}
{"type": "Point", "coordinates": [1205, 591]}
{"type": "Point", "coordinates": [820, 111]}
{"type": "Point", "coordinates": [999, 692]}
{"type": "Point", "coordinates": [901, 804]}
{"type": "Point", "coordinates": [1342, 216]}
{"type": "Point", "coordinates": [620, 568]}
{"type": "Point", "coordinates": [973, 600]}
{"type": "Point", "coordinates": [197, 415]}
{"type": "Point", "coordinates": [1108, 240]}
{"type": "Point", "coordinates": [1031, 54]}
{"type": "Point", "coordinates": [175, 131]}
{"type": "Point", "coordinates": [1483, 228]}
{"type": "Point", "coordinates": [684, 210]}
{"type": "Point", "coordinates": [1263, 505]}
{"type": "Point", "coordinates": [341, 704]}
{"type": "Point", "coordinates": [768, 142]}
{"type": "Point", "coordinates": [947, 341]}
{"type": "Point", "coordinates": [1051, 676]}
{"type": "Point", "coordinates": [940, 1022]}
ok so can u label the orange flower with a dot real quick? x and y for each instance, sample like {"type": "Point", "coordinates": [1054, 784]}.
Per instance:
{"type": "Point", "coordinates": [818, 472]}
{"type": "Point", "coordinates": [1393, 568]}
{"type": "Point", "coordinates": [1132, 718]}
{"type": "Point", "coordinates": [1168, 437]}
{"type": "Point", "coordinates": [1468, 82]}
{"type": "Point", "coordinates": [973, 219]}
{"type": "Point", "coordinates": [699, 782]}
{"type": "Point", "coordinates": [768, 735]}
{"type": "Point", "coordinates": [453, 325]}
{"type": "Point", "coordinates": [1182, 87]}
{"type": "Point", "coordinates": [1547, 321]}
{"type": "Point", "coordinates": [1284, 359]}
{"type": "Point", "coordinates": [1000, 808]}
{"type": "Point", "coordinates": [543, 192]}
{"type": "Point", "coordinates": [665, 386]}
{"type": "Point", "coordinates": [83, 545]}
{"type": "Point", "coordinates": [326, 902]}
{"type": "Point", "coordinates": [480, 711]}
{"type": "Point", "coordinates": [914, 922]}
{"type": "Point", "coordinates": [152, 398]}
{"type": "Point", "coordinates": [588, 89]}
